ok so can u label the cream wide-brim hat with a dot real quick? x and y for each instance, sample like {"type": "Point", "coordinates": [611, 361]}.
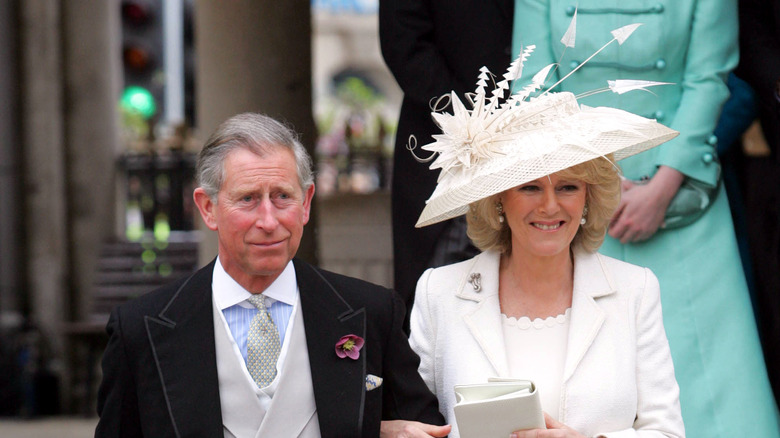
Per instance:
{"type": "Point", "coordinates": [542, 136]}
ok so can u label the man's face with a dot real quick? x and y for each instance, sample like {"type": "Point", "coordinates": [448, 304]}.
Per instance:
{"type": "Point", "coordinates": [259, 215]}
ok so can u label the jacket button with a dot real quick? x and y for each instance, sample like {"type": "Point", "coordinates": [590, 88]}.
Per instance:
{"type": "Point", "coordinates": [659, 115]}
{"type": "Point", "coordinates": [660, 64]}
{"type": "Point", "coordinates": [707, 158]}
{"type": "Point", "coordinates": [574, 64]}
{"type": "Point", "coordinates": [713, 140]}
{"type": "Point", "coordinates": [658, 8]}
{"type": "Point", "coordinates": [570, 10]}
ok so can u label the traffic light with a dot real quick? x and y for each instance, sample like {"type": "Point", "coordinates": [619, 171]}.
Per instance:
{"type": "Point", "coordinates": [139, 100]}
{"type": "Point", "coordinates": [142, 57]}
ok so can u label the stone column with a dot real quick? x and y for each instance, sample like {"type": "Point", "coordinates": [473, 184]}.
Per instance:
{"type": "Point", "coordinates": [11, 255]}
{"type": "Point", "coordinates": [92, 81]}
{"type": "Point", "coordinates": [69, 76]}
{"type": "Point", "coordinates": [254, 55]}
{"type": "Point", "coordinates": [42, 135]}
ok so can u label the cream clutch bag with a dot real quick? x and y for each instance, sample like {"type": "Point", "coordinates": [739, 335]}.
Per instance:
{"type": "Point", "coordinates": [497, 408]}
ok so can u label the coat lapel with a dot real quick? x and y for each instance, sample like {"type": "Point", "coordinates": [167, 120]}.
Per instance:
{"type": "Point", "coordinates": [339, 384]}
{"type": "Point", "coordinates": [591, 281]}
{"type": "Point", "coordinates": [483, 319]}
{"type": "Point", "coordinates": [182, 341]}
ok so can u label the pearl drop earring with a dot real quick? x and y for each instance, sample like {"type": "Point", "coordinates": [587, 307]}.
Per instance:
{"type": "Point", "coordinates": [500, 209]}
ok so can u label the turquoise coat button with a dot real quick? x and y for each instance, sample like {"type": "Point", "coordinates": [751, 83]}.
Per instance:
{"type": "Point", "coordinates": [707, 158]}
{"type": "Point", "coordinates": [660, 64]}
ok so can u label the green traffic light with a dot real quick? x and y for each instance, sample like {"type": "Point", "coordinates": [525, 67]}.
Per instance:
{"type": "Point", "coordinates": [139, 99]}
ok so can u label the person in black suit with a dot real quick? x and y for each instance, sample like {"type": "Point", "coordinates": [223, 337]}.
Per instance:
{"type": "Point", "coordinates": [199, 358]}
{"type": "Point", "coordinates": [433, 47]}
{"type": "Point", "coordinates": [759, 66]}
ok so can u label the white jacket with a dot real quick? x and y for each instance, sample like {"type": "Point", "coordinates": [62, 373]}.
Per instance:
{"type": "Point", "coordinates": [618, 376]}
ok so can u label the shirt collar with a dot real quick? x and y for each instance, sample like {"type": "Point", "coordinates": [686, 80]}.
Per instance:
{"type": "Point", "coordinates": [227, 292]}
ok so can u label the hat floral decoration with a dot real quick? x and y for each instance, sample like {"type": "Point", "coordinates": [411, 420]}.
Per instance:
{"type": "Point", "coordinates": [500, 143]}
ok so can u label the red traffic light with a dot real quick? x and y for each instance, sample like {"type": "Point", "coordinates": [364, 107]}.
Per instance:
{"type": "Point", "coordinates": [136, 13]}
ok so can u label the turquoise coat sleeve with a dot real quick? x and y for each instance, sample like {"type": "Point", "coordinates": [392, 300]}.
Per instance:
{"type": "Point", "coordinates": [690, 43]}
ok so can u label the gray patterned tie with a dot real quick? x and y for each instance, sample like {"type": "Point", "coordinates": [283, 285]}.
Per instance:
{"type": "Point", "coordinates": [262, 344]}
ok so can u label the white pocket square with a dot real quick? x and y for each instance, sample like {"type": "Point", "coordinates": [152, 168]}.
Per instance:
{"type": "Point", "coordinates": [373, 382]}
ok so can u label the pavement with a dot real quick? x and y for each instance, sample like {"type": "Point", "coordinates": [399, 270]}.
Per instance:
{"type": "Point", "coordinates": [60, 427]}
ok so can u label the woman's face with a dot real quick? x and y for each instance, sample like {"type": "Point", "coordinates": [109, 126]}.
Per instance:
{"type": "Point", "coordinates": [544, 215]}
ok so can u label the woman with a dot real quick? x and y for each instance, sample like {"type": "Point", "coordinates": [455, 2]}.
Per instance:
{"type": "Point", "coordinates": [707, 312]}
{"type": "Point", "coordinates": [537, 181]}
{"type": "Point", "coordinates": [585, 328]}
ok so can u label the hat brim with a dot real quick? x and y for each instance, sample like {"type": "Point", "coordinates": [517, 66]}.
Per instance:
{"type": "Point", "coordinates": [588, 134]}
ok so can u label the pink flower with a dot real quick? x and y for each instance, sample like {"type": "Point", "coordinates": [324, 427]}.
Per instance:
{"type": "Point", "coordinates": [349, 346]}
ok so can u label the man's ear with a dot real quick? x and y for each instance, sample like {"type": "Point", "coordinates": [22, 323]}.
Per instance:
{"type": "Point", "coordinates": [307, 197]}
{"type": "Point", "coordinates": [206, 208]}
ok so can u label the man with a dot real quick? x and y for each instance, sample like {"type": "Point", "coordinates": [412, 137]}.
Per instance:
{"type": "Point", "coordinates": [433, 47]}
{"type": "Point", "coordinates": [258, 343]}
{"type": "Point", "coordinates": [759, 66]}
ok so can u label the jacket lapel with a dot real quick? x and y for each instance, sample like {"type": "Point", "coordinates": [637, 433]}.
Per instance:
{"type": "Point", "coordinates": [182, 341]}
{"type": "Point", "coordinates": [339, 384]}
{"type": "Point", "coordinates": [483, 319]}
{"type": "Point", "coordinates": [591, 281]}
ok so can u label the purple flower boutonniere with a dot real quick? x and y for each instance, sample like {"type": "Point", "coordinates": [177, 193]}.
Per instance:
{"type": "Point", "coordinates": [349, 346]}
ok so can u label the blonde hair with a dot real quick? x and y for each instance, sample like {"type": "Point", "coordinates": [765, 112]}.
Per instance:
{"type": "Point", "coordinates": [602, 198]}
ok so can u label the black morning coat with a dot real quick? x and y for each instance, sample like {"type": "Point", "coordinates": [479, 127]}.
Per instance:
{"type": "Point", "coordinates": [160, 367]}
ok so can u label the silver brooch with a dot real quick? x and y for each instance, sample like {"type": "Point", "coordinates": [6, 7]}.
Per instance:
{"type": "Point", "coordinates": [476, 281]}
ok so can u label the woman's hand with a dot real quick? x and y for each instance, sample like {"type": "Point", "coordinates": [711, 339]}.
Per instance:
{"type": "Point", "coordinates": [412, 429]}
{"type": "Point", "coordinates": [555, 429]}
{"type": "Point", "coordinates": [643, 206]}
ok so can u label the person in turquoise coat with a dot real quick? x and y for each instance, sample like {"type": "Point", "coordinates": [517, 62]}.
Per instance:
{"type": "Point", "coordinates": [724, 390]}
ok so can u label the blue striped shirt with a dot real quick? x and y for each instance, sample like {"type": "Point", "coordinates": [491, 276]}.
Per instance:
{"type": "Point", "coordinates": [280, 298]}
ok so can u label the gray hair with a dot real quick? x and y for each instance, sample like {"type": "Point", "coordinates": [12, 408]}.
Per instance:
{"type": "Point", "coordinates": [257, 133]}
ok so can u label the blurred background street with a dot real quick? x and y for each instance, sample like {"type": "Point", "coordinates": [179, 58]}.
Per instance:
{"type": "Point", "coordinates": [104, 108]}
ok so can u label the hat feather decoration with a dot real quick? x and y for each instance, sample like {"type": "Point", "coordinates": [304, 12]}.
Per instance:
{"type": "Point", "coordinates": [504, 141]}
